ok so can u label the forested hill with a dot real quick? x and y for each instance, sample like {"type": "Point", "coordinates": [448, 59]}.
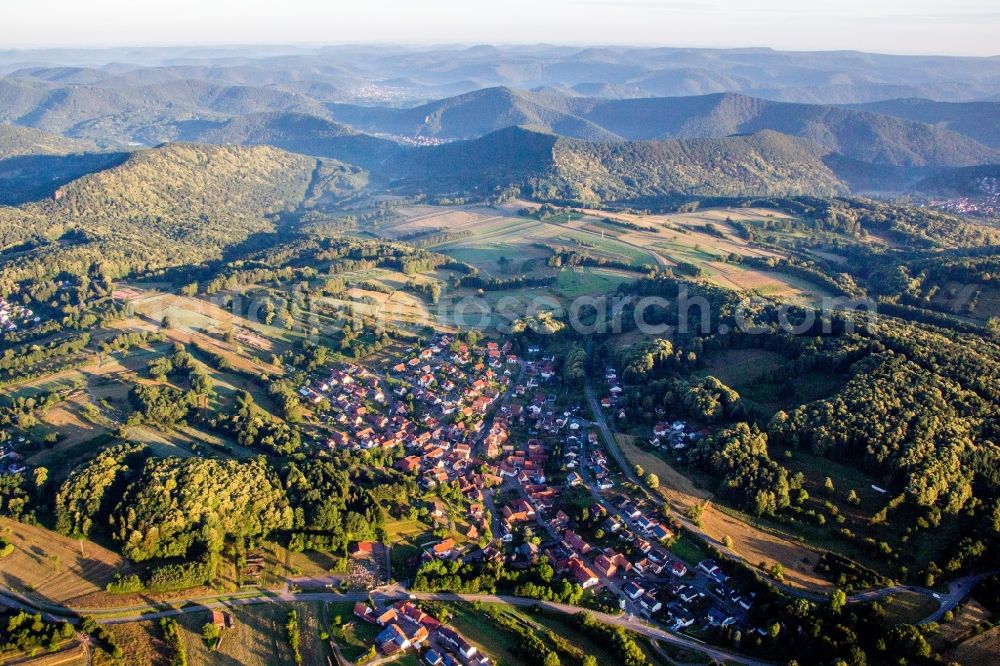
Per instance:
{"type": "Point", "coordinates": [857, 134]}
{"type": "Point", "coordinates": [474, 114]}
{"type": "Point", "coordinates": [168, 206]}
{"type": "Point", "coordinates": [301, 133]}
{"type": "Point", "coordinates": [556, 168]}
{"type": "Point", "coordinates": [978, 120]}
{"type": "Point", "coordinates": [16, 141]}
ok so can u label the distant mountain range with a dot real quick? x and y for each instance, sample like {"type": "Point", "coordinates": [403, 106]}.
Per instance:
{"type": "Point", "coordinates": [597, 125]}
{"type": "Point", "coordinates": [407, 74]}
{"type": "Point", "coordinates": [857, 134]}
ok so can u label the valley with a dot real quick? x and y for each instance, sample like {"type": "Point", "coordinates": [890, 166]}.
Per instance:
{"type": "Point", "coordinates": [436, 356]}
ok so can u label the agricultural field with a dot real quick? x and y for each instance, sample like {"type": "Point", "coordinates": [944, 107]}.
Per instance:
{"type": "Point", "coordinates": [753, 544]}
{"type": "Point", "coordinates": [142, 641]}
{"type": "Point", "coordinates": [491, 628]}
{"type": "Point", "coordinates": [981, 650]}
{"type": "Point", "coordinates": [50, 566]}
{"type": "Point", "coordinates": [258, 636]}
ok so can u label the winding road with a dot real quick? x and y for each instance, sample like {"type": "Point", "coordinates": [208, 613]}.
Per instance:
{"type": "Point", "coordinates": [957, 589]}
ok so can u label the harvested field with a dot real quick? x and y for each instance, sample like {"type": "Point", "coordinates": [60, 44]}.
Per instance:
{"type": "Point", "coordinates": [752, 544]}
{"type": "Point", "coordinates": [46, 565]}
{"type": "Point", "coordinates": [981, 650]}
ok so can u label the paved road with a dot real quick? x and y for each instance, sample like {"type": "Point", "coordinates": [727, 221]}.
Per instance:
{"type": "Point", "coordinates": [957, 590]}
{"type": "Point", "coordinates": [629, 622]}
{"type": "Point", "coordinates": [395, 593]}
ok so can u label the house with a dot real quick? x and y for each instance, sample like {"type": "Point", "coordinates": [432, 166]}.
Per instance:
{"type": "Point", "coordinates": [457, 642]}
{"type": "Point", "coordinates": [365, 612]}
{"type": "Point", "coordinates": [573, 479]}
{"type": "Point", "coordinates": [443, 549]}
{"type": "Point", "coordinates": [633, 590]}
{"type": "Point", "coordinates": [604, 566]}
{"type": "Point", "coordinates": [391, 640]}
{"type": "Point", "coordinates": [388, 616]}
{"type": "Point", "coordinates": [409, 464]}
{"type": "Point", "coordinates": [682, 616]}
{"type": "Point", "coordinates": [719, 618]}
{"type": "Point", "coordinates": [650, 603]}
{"type": "Point", "coordinates": [645, 566]}
{"type": "Point", "coordinates": [222, 620]}
{"type": "Point", "coordinates": [678, 569]}
{"type": "Point", "coordinates": [659, 532]}
{"type": "Point", "coordinates": [710, 568]}
{"type": "Point", "coordinates": [363, 549]}
{"type": "Point", "coordinates": [432, 657]}
{"type": "Point", "coordinates": [582, 575]}
{"type": "Point", "coordinates": [576, 542]}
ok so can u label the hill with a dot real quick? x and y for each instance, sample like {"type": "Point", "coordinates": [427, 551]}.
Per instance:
{"type": "Point", "coordinates": [300, 133]}
{"type": "Point", "coordinates": [856, 134]}
{"type": "Point", "coordinates": [472, 115]}
{"type": "Point", "coordinates": [15, 141]}
{"type": "Point", "coordinates": [163, 207]}
{"type": "Point", "coordinates": [966, 181]}
{"type": "Point", "coordinates": [558, 168]}
{"type": "Point", "coordinates": [34, 163]}
{"type": "Point", "coordinates": [766, 163]}
{"type": "Point", "coordinates": [977, 120]}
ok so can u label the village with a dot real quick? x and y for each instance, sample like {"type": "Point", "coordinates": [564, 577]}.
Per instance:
{"type": "Point", "coordinates": [14, 316]}
{"type": "Point", "coordinates": [536, 481]}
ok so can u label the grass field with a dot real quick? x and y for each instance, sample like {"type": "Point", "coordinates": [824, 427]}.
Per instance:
{"type": "Point", "coordinates": [583, 281]}
{"type": "Point", "coordinates": [483, 625]}
{"type": "Point", "coordinates": [259, 637]}
{"type": "Point", "coordinates": [354, 636]}
{"type": "Point", "coordinates": [753, 544]}
{"type": "Point", "coordinates": [908, 607]}
{"type": "Point", "coordinates": [49, 566]}
{"type": "Point", "coordinates": [981, 650]}
{"type": "Point", "coordinates": [406, 539]}
{"type": "Point", "coordinates": [142, 641]}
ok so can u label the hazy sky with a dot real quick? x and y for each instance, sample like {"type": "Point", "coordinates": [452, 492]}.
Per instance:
{"type": "Point", "coordinates": [969, 27]}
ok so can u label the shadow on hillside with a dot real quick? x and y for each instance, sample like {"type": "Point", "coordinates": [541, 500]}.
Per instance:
{"type": "Point", "coordinates": [33, 177]}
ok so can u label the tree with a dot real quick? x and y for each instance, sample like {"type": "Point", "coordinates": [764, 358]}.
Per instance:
{"type": "Point", "coordinates": [211, 633]}
{"type": "Point", "coordinates": [652, 481]}
{"type": "Point", "coordinates": [993, 326]}
{"type": "Point", "coordinates": [828, 484]}
{"type": "Point", "coordinates": [838, 599]}
{"type": "Point", "coordinates": [41, 477]}
{"type": "Point", "coordinates": [639, 471]}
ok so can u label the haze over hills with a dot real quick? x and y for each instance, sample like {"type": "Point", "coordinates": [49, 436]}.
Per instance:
{"type": "Point", "coordinates": [408, 73]}
{"type": "Point", "coordinates": [365, 106]}
{"type": "Point", "coordinates": [977, 120]}
{"type": "Point", "coordinates": [859, 135]}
